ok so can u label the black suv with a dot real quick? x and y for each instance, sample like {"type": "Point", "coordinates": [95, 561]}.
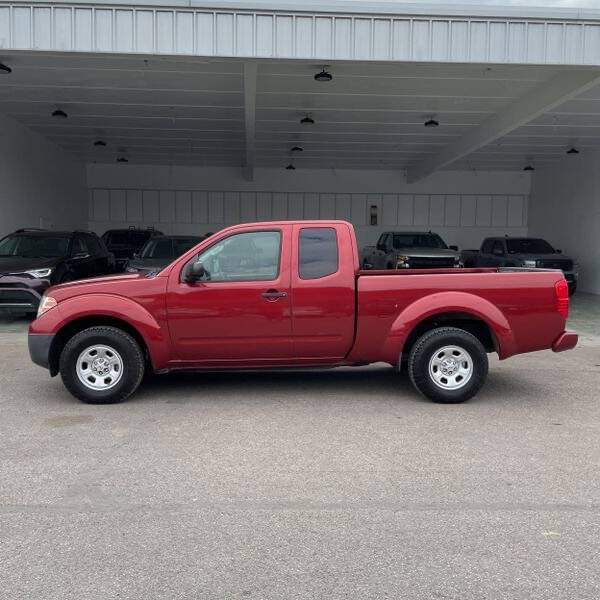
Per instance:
{"type": "Point", "coordinates": [31, 260]}
{"type": "Point", "coordinates": [124, 243]}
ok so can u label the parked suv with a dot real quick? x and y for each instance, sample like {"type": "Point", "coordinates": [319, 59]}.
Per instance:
{"type": "Point", "coordinates": [31, 260]}
{"type": "Point", "coordinates": [410, 250]}
{"type": "Point", "coordinates": [534, 253]}
{"type": "Point", "coordinates": [124, 243]}
{"type": "Point", "coordinates": [161, 251]}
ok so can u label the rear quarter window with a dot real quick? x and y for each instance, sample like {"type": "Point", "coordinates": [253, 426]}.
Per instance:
{"type": "Point", "coordinates": [318, 252]}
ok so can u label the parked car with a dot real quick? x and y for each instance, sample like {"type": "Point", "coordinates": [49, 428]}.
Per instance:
{"type": "Point", "coordinates": [124, 243]}
{"type": "Point", "coordinates": [160, 251]}
{"type": "Point", "coordinates": [31, 260]}
{"type": "Point", "coordinates": [410, 250]}
{"type": "Point", "coordinates": [533, 253]}
{"type": "Point", "coordinates": [218, 307]}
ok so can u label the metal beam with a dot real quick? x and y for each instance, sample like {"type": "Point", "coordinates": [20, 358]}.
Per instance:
{"type": "Point", "coordinates": [250, 118]}
{"type": "Point", "coordinates": [541, 99]}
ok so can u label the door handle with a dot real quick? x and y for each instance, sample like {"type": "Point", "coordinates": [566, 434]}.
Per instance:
{"type": "Point", "coordinates": [273, 294]}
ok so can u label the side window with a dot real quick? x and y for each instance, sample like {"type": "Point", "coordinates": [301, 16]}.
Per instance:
{"type": "Point", "coordinates": [498, 248]}
{"type": "Point", "coordinates": [487, 246]}
{"type": "Point", "coordinates": [79, 246]}
{"type": "Point", "coordinates": [93, 244]}
{"type": "Point", "coordinates": [318, 252]}
{"type": "Point", "coordinates": [252, 256]}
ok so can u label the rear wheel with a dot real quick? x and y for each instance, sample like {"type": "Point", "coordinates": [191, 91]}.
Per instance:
{"type": "Point", "coordinates": [102, 365]}
{"type": "Point", "coordinates": [572, 288]}
{"type": "Point", "coordinates": [448, 365]}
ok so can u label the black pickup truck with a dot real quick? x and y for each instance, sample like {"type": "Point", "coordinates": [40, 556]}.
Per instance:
{"type": "Point", "coordinates": [522, 252]}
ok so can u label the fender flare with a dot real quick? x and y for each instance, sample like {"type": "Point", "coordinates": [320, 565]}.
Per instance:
{"type": "Point", "coordinates": [448, 302]}
{"type": "Point", "coordinates": [123, 309]}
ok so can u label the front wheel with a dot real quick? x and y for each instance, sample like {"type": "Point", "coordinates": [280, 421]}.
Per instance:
{"type": "Point", "coordinates": [448, 365]}
{"type": "Point", "coordinates": [102, 365]}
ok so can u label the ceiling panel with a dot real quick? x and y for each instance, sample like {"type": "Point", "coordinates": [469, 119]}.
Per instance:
{"type": "Point", "coordinates": [187, 111]}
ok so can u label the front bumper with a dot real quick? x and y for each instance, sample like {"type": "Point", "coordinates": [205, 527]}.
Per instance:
{"type": "Point", "coordinates": [39, 348]}
{"type": "Point", "coordinates": [567, 340]}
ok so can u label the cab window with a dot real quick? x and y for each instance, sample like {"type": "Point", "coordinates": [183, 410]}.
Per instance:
{"type": "Point", "coordinates": [251, 256]}
{"type": "Point", "coordinates": [318, 252]}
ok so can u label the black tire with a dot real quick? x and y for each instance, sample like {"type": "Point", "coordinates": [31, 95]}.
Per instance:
{"type": "Point", "coordinates": [423, 352]}
{"type": "Point", "coordinates": [132, 364]}
{"type": "Point", "coordinates": [572, 288]}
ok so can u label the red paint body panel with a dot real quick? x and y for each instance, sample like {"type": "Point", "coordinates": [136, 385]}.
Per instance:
{"type": "Point", "coordinates": [347, 317]}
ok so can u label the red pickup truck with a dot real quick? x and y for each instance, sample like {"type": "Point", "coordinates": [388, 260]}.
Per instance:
{"type": "Point", "coordinates": [291, 294]}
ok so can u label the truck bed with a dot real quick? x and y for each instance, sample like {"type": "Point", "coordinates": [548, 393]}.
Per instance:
{"type": "Point", "coordinates": [518, 303]}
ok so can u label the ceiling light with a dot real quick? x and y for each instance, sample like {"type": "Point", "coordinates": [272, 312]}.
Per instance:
{"type": "Point", "coordinates": [61, 114]}
{"type": "Point", "coordinates": [529, 168]}
{"type": "Point", "coordinates": [99, 143]}
{"type": "Point", "coordinates": [290, 167]}
{"type": "Point", "coordinates": [122, 159]}
{"type": "Point", "coordinates": [297, 149]}
{"type": "Point", "coordinates": [323, 75]}
{"type": "Point", "coordinates": [307, 121]}
{"type": "Point", "coordinates": [573, 151]}
{"type": "Point", "coordinates": [432, 123]}
{"type": "Point", "coordinates": [5, 69]}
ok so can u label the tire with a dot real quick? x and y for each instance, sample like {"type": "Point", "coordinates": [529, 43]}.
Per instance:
{"type": "Point", "coordinates": [112, 349]}
{"type": "Point", "coordinates": [448, 365]}
{"type": "Point", "coordinates": [572, 288]}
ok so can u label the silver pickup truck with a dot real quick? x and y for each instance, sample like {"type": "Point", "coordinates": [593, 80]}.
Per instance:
{"type": "Point", "coordinates": [410, 250]}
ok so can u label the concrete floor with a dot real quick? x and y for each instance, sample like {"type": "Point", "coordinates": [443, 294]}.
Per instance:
{"type": "Point", "coordinates": [336, 484]}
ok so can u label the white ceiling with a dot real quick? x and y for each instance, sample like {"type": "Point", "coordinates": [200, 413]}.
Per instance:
{"type": "Point", "coordinates": [191, 112]}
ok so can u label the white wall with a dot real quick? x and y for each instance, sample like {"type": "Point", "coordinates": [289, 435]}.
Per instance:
{"type": "Point", "coordinates": [40, 184]}
{"type": "Point", "coordinates": [565, 209]}
{"type": "Point", "coordinates": [463, 207]}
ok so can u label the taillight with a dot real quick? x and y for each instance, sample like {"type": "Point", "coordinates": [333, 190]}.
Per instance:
{"type": "Point", "coordinates": [562, 298]}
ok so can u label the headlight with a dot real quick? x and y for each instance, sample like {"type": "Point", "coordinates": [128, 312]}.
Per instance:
{"type": "Point", "coordinates": [46, 304]}
{"type": "Point", "coordinates": [402, 261]}
{"type": "Point", "coordinates": [530, 263]}
{"type": "Point", "coordinates": [37, 273]}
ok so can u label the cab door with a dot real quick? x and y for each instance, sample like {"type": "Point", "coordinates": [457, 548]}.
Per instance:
{"type": "Point", "coordinates": [324, 296]}
{"type": "Point", "coordinates": [239, 311]}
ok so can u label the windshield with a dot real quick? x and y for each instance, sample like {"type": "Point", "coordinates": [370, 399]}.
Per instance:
{"type": "Point", "coordinates": [529, 246]}
{"type": "Point", "coordinates": [157, 248]}
{"type": "Point", "coordinates": [418, 240]}
{"type": "Point", "coordinates": [35, 246]}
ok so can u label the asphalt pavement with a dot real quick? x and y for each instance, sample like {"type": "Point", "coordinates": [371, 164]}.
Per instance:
{"type": "Point", "coordinates": [321, 484]}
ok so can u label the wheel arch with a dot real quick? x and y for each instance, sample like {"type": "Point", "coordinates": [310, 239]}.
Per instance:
{"type": "Point", "coordinates": [118, 312]}
{"type": "Point", "coordinates": [73, 327]}
{"type": "Point", "coordinates": [451, 309]}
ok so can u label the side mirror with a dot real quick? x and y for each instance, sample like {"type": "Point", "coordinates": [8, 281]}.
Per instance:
{"type": "Point", "coordinates": [558, 251]}
{"type": "Point", "coordinates": [195, 272]}
{"type": "Point", "coordinates": [455, 248]}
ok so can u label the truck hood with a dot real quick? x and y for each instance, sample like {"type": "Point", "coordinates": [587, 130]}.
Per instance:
{"type": "Point", "coordinates": [427, 252]}
{"type": "Point", "coordinates": [532, 256]}
{"type": "Point", "coordinates": [18, 264]}
{"type": "Point", "coordinates": [109, 284]}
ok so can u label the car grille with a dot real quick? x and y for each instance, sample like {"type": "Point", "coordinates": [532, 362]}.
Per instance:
{"type": "Point", "coordinates": [14, 298]}
{"type": "Point", "coordinates": [441, 262]}
{"type": "Point", "coordinates": [563, 265]}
